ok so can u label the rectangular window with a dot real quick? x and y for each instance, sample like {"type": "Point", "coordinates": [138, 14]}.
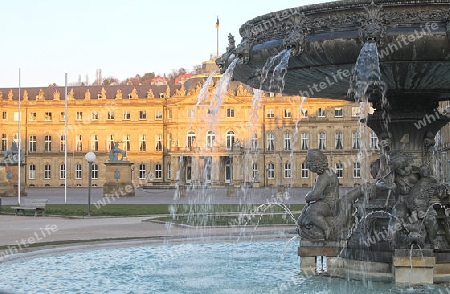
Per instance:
{"type": "Point", "coordinates": [287, 170]}
{"type": "Point", "coordinates": [4, 115]}
{"type": "Point", "coordinates": [94, 171]}
{"type": "Point", "coordinates": [230, 112]}
{"type": "Point", "coordinates": [142, 115]}
{"type": "Point", "coordinates": [255, 172]}
{"type": "Point", "coordinates": [142, 171]}
{"type": "Point", "coordinates": [254, 142]}
{"type": "Point", "coordinates": [126, 115]}
{"type": "Point", "coordinates": [356, 170]}
{"type": "Point", "coordinates": [158, 171]}
{"type": "Point", "coordinates": [79, 116]}
{"type": "Point", "coordinates": [126, 142]}
{"type": "Point", "coordinates": [142, 143]}
{"type": "Point", "coordinates": [4, 142]}
{"type": "Point", "coordinates": [169, 171]}
{"type": "Point", "coordinates": [62, 116]}
{"type": "Point", "coordinates": [191, 113]}
{"type": "Point", "coordinates": [305, 171]}
{"type": "Point", "coordinates": [270, 142]}
{"type": "Point", "coordinates": [94, 143]}
{"type": "Point", "coordinates": [338, 141]}
{"type": "Point", "coordinates": [94, 115]}
{"type": "Point", "coordinates": [32, 172]}
{"type": "Point", "coordinates": [79, 143]}
{"type": "Point", "coordinates": [32, 116]}
{"type": "Point", "coordinates": [339, 170]}
{"type": "Point", "coordinates": [321, 112]}
{"type": "Point", "coordinates": [287, 113]}
{"type": "Point", "coordinates": [287, 142]}
{"type": "Point", "coordinates": [32, 144]}
{"type": "Point", "coordinates": [270, 113]}
{"type": "Point", "coordinates": [356, 140]}
{"type": "Point", "coordinates": [373, 140]}
{"type": "Point", "coordinates": [338, 112]}
{"type": "Point", "coordinates": [158, 115]}
{"type": "Point", "coordinates": [62, 143]}
{"type": "Point", "coordinates": [48, 116]}
{"type": "Point", "coordinates": [47, 171]}
{"type": "Point", "coordinates": [271, 171]}
{"type": "Point", "coordinates": [78, 173]}
{"type": "Point", "coordinates": [322, 141]}
{"type": "Point", "coordinates": [305, 141]}
{"type": "Point", "coordinates": [158, 141]}
{"type": "Point", "coordinates": [304, 112]}
{"type": "Point", "coordinates": [48, 143]}
{"type": "Point", "coordinates": [17, 116]}
{"type": "Point", "coordinates": [62, 171]}
{"type": "Point", "coordinates": [109, 142]}
{"type": "Point", "coordinates": [110, 115]}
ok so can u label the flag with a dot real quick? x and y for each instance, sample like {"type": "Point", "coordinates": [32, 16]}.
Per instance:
{"type": "Point", "coordinates": [217, 23]}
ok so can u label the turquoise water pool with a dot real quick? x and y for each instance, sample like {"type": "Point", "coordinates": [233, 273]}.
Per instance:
{"type": "Point", "coordinates": [222, 267]}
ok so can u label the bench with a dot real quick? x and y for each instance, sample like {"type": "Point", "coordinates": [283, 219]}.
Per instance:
{"type": "Point", "coordinates": [38, 205]}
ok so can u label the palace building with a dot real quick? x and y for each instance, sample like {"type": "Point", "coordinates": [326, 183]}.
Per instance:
{"type": "Point", "coordinates": [188, 133]}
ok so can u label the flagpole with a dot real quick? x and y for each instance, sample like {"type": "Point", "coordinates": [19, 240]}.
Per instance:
{"type": "Point", "coordinates": [18, 148]}
{"type": "Point", "coordinates": [217, 27]}
{"type": "Point", "coordinates": [65, 140]}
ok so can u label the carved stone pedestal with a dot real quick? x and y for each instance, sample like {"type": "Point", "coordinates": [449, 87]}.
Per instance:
{"type": "Point", "coordinates": [118, 180]}
{"type": "Point", "coordinates": [413, 266]}
{"type": "Point", "coordinates": [309, 250]}
{"type": "Point", "coordinates": [9, 180]}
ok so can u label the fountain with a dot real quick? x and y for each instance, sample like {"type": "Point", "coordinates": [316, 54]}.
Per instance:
{"type": "Point", "coordinates": [393, 55]}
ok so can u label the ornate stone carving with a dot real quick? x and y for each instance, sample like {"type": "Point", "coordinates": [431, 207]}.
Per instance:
{"type": "Point", "coordinates": [10, 95]}
{"type": "Point", "coordinates": [325, 216]}
{"type": "Point", "coordinates": [373, 28]}
{"type": "Point", "coordinates": [150, 93]}
{"type": "Point", "coordinates": [114, 153]}
{"type": "Point", "coordinates": [11, 156]}
{"type": "Point", "coordinates": [296, 39]}
{"type": "Point", "coordinates": [119, 94]}
{"type": "Point", "coordinates": [40, 96]}
{"type": "Point", "coordinates": [25, 95]}
{"type": "Point", "coordinates": [71, 95]}
{"type": "Point", "coordinates": [56, 95]}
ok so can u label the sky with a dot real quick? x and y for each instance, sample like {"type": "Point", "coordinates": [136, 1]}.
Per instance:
{"type": "Point", "coordinates": [43, 40]}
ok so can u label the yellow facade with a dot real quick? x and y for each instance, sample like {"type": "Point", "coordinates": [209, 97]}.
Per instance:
{"type": "Point", "coordinates": [185, 135]}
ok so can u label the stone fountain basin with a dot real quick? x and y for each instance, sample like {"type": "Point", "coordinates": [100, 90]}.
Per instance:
{"type": "Point", "coordinates": [409, 65]}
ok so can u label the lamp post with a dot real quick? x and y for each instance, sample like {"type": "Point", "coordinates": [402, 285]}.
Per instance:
{"type": "Point", "coordinates": [90, 157]}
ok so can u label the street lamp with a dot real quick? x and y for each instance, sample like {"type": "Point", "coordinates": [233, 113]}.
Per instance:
{"type": "Point", "coordinates": [90, 157]}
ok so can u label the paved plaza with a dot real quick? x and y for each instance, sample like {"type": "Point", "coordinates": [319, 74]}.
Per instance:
{"type": "Point", "coordinates": [21, 231]}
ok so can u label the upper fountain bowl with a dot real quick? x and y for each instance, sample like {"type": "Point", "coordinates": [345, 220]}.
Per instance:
{"type": "Point", "coordinates": [326, 39]}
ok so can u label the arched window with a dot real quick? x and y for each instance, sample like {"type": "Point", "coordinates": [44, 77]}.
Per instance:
{"type": "Point", "coordinates": [270, 142]}
{"type": "Point", "coordinates": [191, 138]}
{"type": "Point", "coordinates": [210, 138]}
{"type": "Point", "coordinates": [230, 139]}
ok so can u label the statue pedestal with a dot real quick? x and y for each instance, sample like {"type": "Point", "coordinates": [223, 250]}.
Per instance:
{"type": "Point", "coordinates": [309, 250]}
{"type": "Point", "coordinates": [118, 180]}
{"type": "Point", "coordinates": [9, 180]}
{"type": "Point", "coordinates": [413, 266]}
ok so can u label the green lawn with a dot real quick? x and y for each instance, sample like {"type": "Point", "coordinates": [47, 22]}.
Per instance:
{"type": "Point", "coordinates": [191, 214]}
